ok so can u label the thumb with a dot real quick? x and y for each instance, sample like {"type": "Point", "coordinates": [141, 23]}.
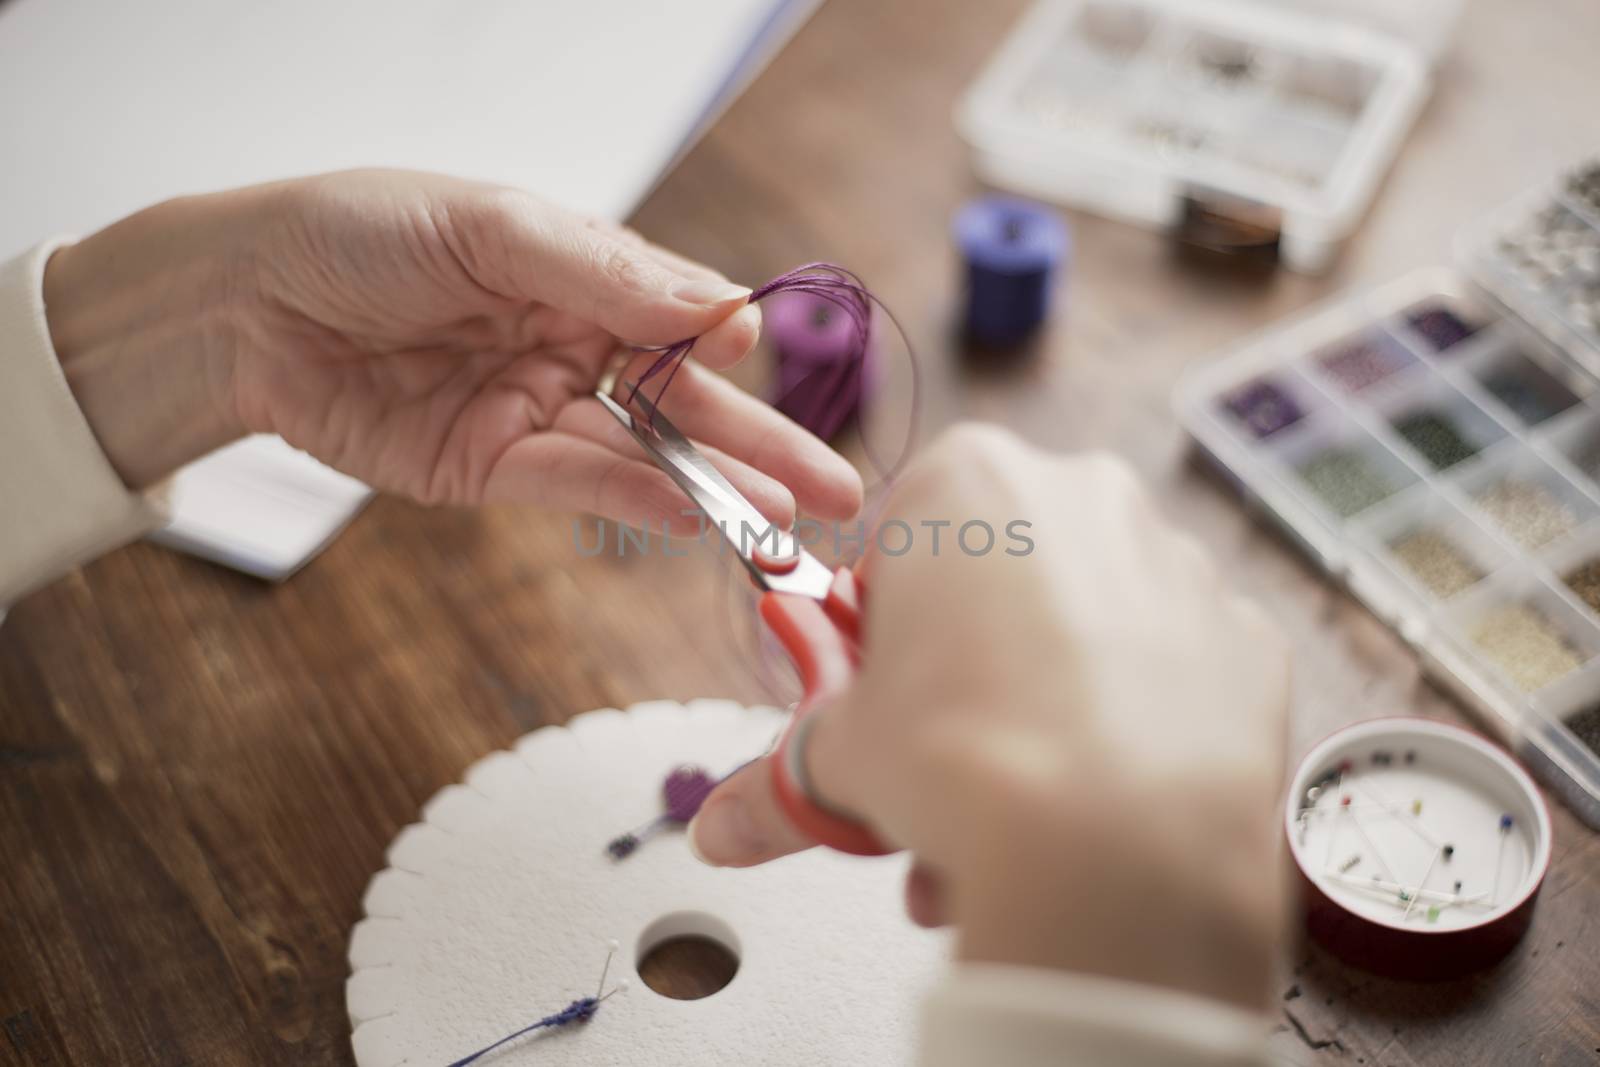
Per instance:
{"type": "Point", "coordinates": [740, 824]}
{"type": "Point", "coordinates": [557, 258]}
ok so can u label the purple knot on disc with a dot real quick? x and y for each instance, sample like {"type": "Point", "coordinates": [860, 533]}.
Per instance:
{"type": "Point", "coordinates": [685, 789]}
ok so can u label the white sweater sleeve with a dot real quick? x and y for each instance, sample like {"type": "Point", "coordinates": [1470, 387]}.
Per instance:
{"type": "Point", "coordinates": [61, 503]}
{"type": "Point", "coordinates": [997, 1016]}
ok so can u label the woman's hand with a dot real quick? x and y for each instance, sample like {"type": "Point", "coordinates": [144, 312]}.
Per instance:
{"type": "Point", "coordinates": [434, 337]}
{"type": "Point", "coordinates": [1081, 746]}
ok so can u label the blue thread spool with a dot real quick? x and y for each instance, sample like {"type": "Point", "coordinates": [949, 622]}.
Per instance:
{"type": "Point", "coordinates": [1012, 248]}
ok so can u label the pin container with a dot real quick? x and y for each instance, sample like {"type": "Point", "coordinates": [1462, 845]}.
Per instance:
{"type": "Point", "coordinates": [1419, 847]}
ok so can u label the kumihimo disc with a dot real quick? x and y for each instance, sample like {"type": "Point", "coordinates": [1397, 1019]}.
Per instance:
{"type": "Point", "coordinates": [495, 910]}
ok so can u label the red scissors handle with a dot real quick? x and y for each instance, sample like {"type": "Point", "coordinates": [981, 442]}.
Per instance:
{"type": "Point", "coordinates": [823, 638]}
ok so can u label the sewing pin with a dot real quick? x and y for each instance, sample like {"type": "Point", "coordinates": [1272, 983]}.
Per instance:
{"type": "Point", "coordinates": [1423, 884]}
{"type": "Point", "coordinates": [1333, 834]}
{"type": "Point", "coordinates": [1382, 864]}
{"type": "Point", "coordinates": [1391, 890]}
{"type": "Point", "coordinates": [1413, 823]}
{"type": "Point", "coordinates": [1500, 856]}
{"type": "Point", "coordinates": [611, 950]}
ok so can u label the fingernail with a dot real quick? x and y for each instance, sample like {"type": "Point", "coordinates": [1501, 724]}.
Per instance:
{"type": "Point", "coordinates": [709, 291]}
{"type": "Point", "coordinates": [724, 833]}
{"type": "Point", "coordinates": [750, 313]}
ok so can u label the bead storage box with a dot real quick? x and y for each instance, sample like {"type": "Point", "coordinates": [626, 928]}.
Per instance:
{"type": "Point", "coordinates": [1435, 446]}
{"type": "Point", "coordinates": [1154, 111]}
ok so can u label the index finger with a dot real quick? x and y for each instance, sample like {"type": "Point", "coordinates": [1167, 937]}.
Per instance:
{"type": "Point", "coordinates": [709, 408]}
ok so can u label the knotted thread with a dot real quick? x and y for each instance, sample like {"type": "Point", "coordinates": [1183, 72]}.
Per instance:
{"type": "Point", "coordinates": [843, 289]}
{"type": "Point", "coordinates": [580, 1010]}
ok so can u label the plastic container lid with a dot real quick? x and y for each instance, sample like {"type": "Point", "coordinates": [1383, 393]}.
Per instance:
{"type": "Point", "coordinates": [1427, 25]}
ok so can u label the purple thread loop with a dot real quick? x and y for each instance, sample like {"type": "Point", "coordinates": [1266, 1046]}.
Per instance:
{"type": "Point", "coordinates": [843, 289]}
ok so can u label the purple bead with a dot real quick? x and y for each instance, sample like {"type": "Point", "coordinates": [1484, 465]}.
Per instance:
{"type": "Point", "coordinates": [1364, 361]}
{"type": "Point", "coordinates": [685, 789]}
{"type": "Point", "coordinates": [1264, 407]}
{"type": "Point", "coordinates": [1441, 326]}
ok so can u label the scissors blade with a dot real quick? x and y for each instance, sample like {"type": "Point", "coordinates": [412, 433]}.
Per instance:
{"type": "Point", "coordinates": [682, 454]}
{"type": "Point", "coordinates": [694, 474]}
{"type": "Point", "coordinates": [743, 527]}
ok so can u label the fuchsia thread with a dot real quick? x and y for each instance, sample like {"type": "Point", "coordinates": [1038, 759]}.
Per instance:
{"type": "Point", "coordinates": [845, 290]}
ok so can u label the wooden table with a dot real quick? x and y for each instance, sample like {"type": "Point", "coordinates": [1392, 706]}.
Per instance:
{"type": "Point", "coordinates": [198, 773]}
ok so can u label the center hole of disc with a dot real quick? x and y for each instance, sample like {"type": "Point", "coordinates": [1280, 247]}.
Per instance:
{"type": "Point", "coordinates": [820, 317]}
{"type": "Point", "coordinates": [1012, 230]}
{"type": "Point", "coordinates": [688, 955]}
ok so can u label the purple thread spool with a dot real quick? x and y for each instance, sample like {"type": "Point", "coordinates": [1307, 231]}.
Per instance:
{"type": "Point", "coordinates": [1012, 249]}
{"type": "Point", "coordinates": [822, 379]}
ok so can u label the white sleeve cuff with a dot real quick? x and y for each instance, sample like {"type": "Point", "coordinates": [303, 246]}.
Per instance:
{"type": "Point", "coordinates": [1028, 1017]}
{"type": "Point", "coordinates": [61, 502]}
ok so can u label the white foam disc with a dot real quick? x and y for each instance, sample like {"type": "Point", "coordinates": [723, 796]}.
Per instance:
{"type": "Point", "coordinates": [496, 910]}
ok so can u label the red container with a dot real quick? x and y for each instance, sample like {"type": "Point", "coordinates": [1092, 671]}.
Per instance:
{"type": "Point", "coordinates": [1411, 795]}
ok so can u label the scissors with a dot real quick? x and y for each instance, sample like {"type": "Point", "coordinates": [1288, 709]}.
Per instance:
{"type": "Point", "coordinates": [815, 613]}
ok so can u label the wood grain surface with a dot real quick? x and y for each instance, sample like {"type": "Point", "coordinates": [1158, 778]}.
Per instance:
{"type": "Point", "coordinates": [199, 773]}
